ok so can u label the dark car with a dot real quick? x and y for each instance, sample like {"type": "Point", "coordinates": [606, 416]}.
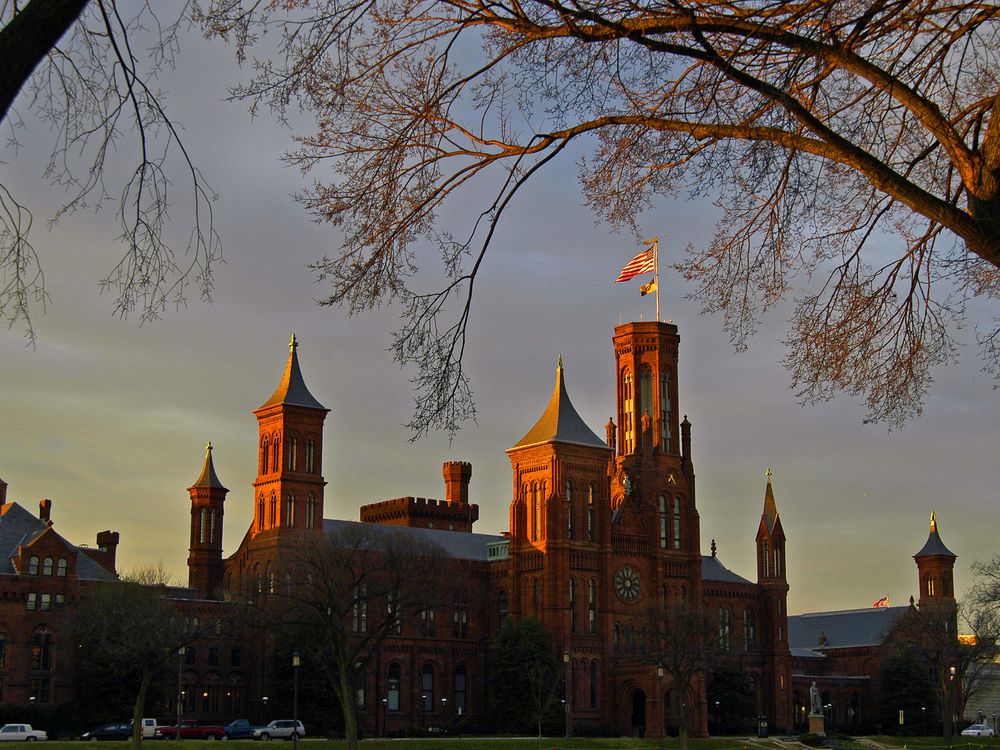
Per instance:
{"type": "Point", "coordinates": [109, 732]}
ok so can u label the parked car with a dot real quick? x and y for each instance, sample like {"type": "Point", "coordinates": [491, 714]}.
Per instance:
{"type": "Point", "coordinates": [121, 731]}
{"type": "Point", "coordinates": [280, 729]}
{"type": "Point", "coordinates": [191, 730]}
{"type": "Point", "coordinates": [977, 730]}
{"type": "Point", "coordinates": [21, 733]}
{"type": "Point", "coordinates": [241, 729]}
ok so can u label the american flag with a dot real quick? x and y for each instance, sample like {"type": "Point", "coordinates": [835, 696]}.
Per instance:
{"type": "Point", "coordinates": [644, 262]}
{"type": "Point", "coordinates": [883, 602]}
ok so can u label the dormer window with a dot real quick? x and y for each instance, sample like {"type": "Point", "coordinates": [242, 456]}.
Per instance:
{"type": "Point", "coordinates": [47, 566]}
{"type": "Point", "coordinates": [33, 566]}
{"type": "Point", "coordinates": [61, 567]}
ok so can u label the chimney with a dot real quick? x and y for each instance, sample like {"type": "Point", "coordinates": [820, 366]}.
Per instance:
{"type": "Point", "coordinates": [456, 481]}
{"type": "Point", "coordinates": [107, 543]}
{"type": "Point", "coordinates": [3, 492]}
{"type": "Point", "coordinates": [45, 511]}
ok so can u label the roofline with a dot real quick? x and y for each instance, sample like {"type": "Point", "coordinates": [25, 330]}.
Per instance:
{"type": "Point", "coordinates": [592, 446]}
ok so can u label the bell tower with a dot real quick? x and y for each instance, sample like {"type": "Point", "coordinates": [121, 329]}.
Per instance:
{"type": "Point", "coordinates": [935, 568]}
{"type": "Point", "coordinates": [288, 491]}
{"type": "Point", "coordinates": [205, 553]}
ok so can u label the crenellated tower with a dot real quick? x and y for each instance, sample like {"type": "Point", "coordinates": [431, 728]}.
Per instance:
{"type": "Point", "coordinates": [773, 585]}
{"type": "Point", "coordinates": [205, 552]}
{"type": "Point", "coordinates": [288, 490]}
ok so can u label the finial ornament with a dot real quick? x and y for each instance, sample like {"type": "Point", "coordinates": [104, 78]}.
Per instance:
{"type": "Point", "coordinates": [208, 449]}
{"type": "Point", "coordinates": [933, 521]}
{"type": "Point", "coordinates": [768, 473]}
{"type": "Point", "coordinates": [560, 365]}
{"type": "Point", "coordinates": [292, 343]}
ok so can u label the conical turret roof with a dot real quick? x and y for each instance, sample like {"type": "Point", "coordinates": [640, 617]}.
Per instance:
{"type": "Point", "coordinates": [292, 389]}
{"type": "Point", "coordinates": [770, 513]}
{"type": "Point", "coordinates": [560, 422]}
{"type": "Point", "coordinates": [208, 477]}
{"type": "Point", "coordinates": [934, 545]}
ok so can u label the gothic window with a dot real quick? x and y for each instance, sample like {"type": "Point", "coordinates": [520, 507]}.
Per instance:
{"type": "Point", "coordinates": [310, 512]}
{"type": "Point", "coordinates": [645, 391]}
{"type": "Point", "coordinates": [394, 614]}
{"type": "Point", "coordinates": [260, 513]}
{"type": "Point", "coordinates": [202, 525]}
{"type": "Point", "coordinates": [590, 513]}
{"type": "Point", "coordinates": [428, 625]}
{"type": "Point", "coordinates": [572, 605]}
{"type": "Point", "coordinates": [392, 694]}
{"type": "Point", "coordinates": [629, 638]}
{"type": "Point", "coordinates": [663, 522]}
{"type": "Point", "coordinates": [427, 687]}
{"type": "Point", "coordinates": [929, 585]}
{"type": "Point", "coordinates": [272, 519]}
{"type": "Point", "coordinates": [290, 510]}
{"type": "Point", "coordinates": [502, 609]}
{"type": "Point", "coordinates": [665, 435]}
{"type": "Point", "coordinates": [628, 413]}
{"type": "Point", "coordinates": [779, 559]}
{"type": "Point", "coordinates": [276, 452]}
{"type": "Point", "coordinates": [31, 603]}
{"type": "Point", "coordinates": [272, 584]}
{"type": "Point", "coordinates": [677, 523]}
{"type": "Point", "coordinates": [765, 558]}
{"type": "Point", "coordinates": [617, 641]}
{"type": "Point", "coordinates": [291, 448]}
{"type": "Point", "coordinates": [725, 626]}
{"type": "Point", "coordinates": [211, 526]}
{"type": "Point", "coordinates": [61, 567]}
{"type": "Point", "coordinates": [460, 614]}
{"type": "Point", "coordinates": [265, 452]}
{"type": "Point", "coordinates": [461, 688]}
{"type": "Point", "coordinates": [42, 647]}
{"type": "Point", "coordinates": [234, 694]}
{"type": "Point", "coordinates": [569, 510]}
{"type": "Point", "coordinates": [592, 606]}
{"type": "Point", "coordinates": [537, 492]}
{"type": "Point", "coordinates": [41, 689]}
{"type": "Point", "coordinates": [45, 603]}
{"type": "Point", "coordinates": [33, 566]}
{"type": "Point", "coordinates": [750, 629]}
{"type": "Point", "coordinates": [47, 566]}
{"type": "Point", "coordinates": [359, 685]}
{"type": "Point", "coordinates": [359, 612]}
{"type": "Point", "coordinates": [310, 455]}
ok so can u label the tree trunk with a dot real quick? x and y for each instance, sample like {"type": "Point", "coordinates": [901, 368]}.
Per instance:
{"type": "Point", "coordinates": [138, 708]}
{"type": "Point", "coordinates": [28, 38]}
{"type": "Point", "coordinates": [345, 692]}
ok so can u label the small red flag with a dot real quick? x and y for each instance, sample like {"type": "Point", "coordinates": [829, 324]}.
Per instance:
{"type": "Point", "coordinates": [883, 602]}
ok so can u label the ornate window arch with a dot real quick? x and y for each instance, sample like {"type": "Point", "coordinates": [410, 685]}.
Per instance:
{"type": "Point", "coordinates": [265, 453]}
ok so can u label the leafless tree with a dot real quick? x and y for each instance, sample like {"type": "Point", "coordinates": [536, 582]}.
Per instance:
{"type": "Point", "coordinates": [853, 144]}
{"type": "Point", "coordinates": [345, 593]}
{"type": "Point", "coordinates": [87, 70]}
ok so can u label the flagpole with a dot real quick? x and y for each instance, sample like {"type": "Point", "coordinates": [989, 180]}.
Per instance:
{"type": "Point", "coordinates": [655, 242]}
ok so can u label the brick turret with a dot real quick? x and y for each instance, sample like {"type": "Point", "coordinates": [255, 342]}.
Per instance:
{"type": "Point", "coordinates": [454, 513]}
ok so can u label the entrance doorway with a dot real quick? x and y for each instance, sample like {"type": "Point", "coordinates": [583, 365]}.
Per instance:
{"type": "Point", "coordinates": [637, 724]}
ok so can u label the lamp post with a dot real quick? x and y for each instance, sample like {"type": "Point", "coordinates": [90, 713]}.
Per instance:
{"type": "Point", "coordinates": [566, 691]}
{"type": "Point", "coordinates": [718, 719]}
{"type": "Point", "coordinates": [385, 715]}
{"type": "Point", "coordinates": [663, 718]}
{"type": "Point", "coordinates": [444, 713]}
{"type": "Point", "coordinates": [296, 663]}
{"type": "Point", "coordinates": [180, 690]}
{"type": "Point", "coordinates": [423, 709]}
{"type": "Point", "coordinates": [923, 719]}
{"type": "Point", "coordinates": [994, 723]}
{"type": "Point", "coordinates": [264, 701]}
{"type": "Point", "coordinates": [949, 725]}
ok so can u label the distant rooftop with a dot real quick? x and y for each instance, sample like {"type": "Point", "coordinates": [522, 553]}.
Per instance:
{"type": "Point", "coordinates": [849, 628]}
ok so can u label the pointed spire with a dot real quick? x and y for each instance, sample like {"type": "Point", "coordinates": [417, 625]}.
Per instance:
{"type": "Point", "coordinates": [770, 513]}
{"type": "Point", "coordinates": [560, 421]}
{"type": "Point", "coordinates": [292, 388]}
{"type": "Point", "coordinates": [208, 477]}
{"type": "Point", "coordinates": [934, 545]}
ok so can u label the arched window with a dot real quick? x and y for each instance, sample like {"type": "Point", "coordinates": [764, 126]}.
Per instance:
{"type": "Point", "coordinates": [677, 523]}
{"type": "Point", "coordinates": [725, 628]}
{"type": "Point", "coordinates": [260, 513]}
{"type": "Point", "coordinates": [646, 391]}
{"type": "Point", "coordinates": [592, 606]}
{"type": "Point", "coordinates": [536, 503]}
{"type": "Point", "coordinates": [310, 455]}
{"type": "Point", "coordinates": [265, 452]}
{"type": "Point", "coordinates": [779, 559]}
{"type": "Point", "coordinates": [663, 522]}
{"type": "Point", "coordinates": [272, 519]}
{"type": "Point", "coordinates": [393, 682]}
{"type": "Point", "coordinates": [360, 610]}
{"type": "Point", "coordinates": [202, 525]}
{"type": "Point", "coordinates": [33, 565]}
{"type": "Point", "coordinates": [665, 426]}
{"type": "Point", "coordinates": [360, 681]}
{"type": "Point", "coordinates": [617, 640]}
{"type": "Point", "coordinates": [234, 694]}
{"type": "Point", "coordinates": [291, 449]}
{"type": "Point", "coordinates": [461, 689]}
{"type": "Point", "coordinates": [750, 629]}
{"type": "Point", "coordinates": [502, 609]}
{"type": "Point", "coordinates": [572, 605]}
{"type": "Point", "coordinates": [47, 566]}
{"type": "Point", "coordinates": [765, 558]}
{"type": "Point", "coordinates": [590, 512]}
{"type": "Point", "coordinates": [628, 413]}
{"type": "Point", "coordinates": [929, 581]}
{"type": "Point", "coordinates": [460, 614]}
{"type": "Point", "coordinates": [42, 647]}
{"type": "Point", "coordinates": [211, 526]}
{"type": "Point", "coordinates": [569, 510]}
{"type": "Point", "coordinates": [290, 510]}
{"type": "Point", "coordinates": [427, 687]}
{"type": "Point", "coordinates": [61, 567]}
{"type": "Point", "coordinates": [310, 512]}
{"type": "Point", "coordinates": [276, 451]}
{"type": "Point", "coordinates": [272, 584]}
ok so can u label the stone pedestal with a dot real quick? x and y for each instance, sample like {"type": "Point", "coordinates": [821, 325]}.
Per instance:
{"type": "Point", "coordinates": [817, 724]}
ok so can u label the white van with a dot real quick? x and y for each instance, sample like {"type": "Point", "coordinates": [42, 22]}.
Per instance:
{"type": "Point", "coordinates": [150, 730]}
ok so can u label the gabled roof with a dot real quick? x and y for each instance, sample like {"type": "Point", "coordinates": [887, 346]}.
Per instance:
{"type": "Point", "coordinates": [18, 526]}
{"type": "Point", "coordinates": [292, 389]}
{"type": "Point", "coordinates": [560, 422]}
{"type": "Point", "coordinates": [713, 570]}
{"type": "Point", "coordinates": [934, 546]}
{"type": "Point", "coordinates": [457, 544]}
{"type": "Point", "coordinates": [208, 477]}
{"type": "Point", "coordinates": [842, 629]}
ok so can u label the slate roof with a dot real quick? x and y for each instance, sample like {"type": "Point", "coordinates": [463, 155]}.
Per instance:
{"type": "Point", "coordinates": [560, 422]}
{"type": "Point", "coordinates": [844, 629]}
{"type": "Point", "coordinates": [713, 570]}
{"type": "Point", "coordinates": [208, 477]}
{"type": "Point", "coordinates": [18, 526]}
{"type": "Point", "coordinates": [292, 388]}
{"type": "Point", "coordinates": [934, 546]}
{"type": "Point", "coordinates": [457, 544]}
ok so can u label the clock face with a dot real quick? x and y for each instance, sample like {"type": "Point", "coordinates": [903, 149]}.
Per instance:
{"type": "Point", "coordinates": [627, 583]}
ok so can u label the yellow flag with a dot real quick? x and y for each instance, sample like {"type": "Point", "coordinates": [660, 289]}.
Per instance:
{"type": "Point", "coordinates": [648, 288]}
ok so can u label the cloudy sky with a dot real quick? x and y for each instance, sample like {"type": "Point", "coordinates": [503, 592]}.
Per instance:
{"type": "Point", "coordinates": [109, 419]}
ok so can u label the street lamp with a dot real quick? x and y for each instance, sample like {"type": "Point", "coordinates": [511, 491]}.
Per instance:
{"type": "Point", "coordinates": [423, 709]}
{"type": "Point", "coordinates": [663, 718]}
{"type": "Point", "coordinates": [566, 691]}
{"type": "Point", "coordinates": [994, 723]}
{"type": "Point", "coordinates": [718, 719]}
{"type": "Point", "coordinates": [385, 708]}
{"type": "Point", "coordinates": [180, 690]}
{"type": "Point", "coordinates": [444, 713]}
{"type": "Point", "coordinates": [296, 663]}
{"type": "Point", "coordinates": [923, 717]}
{"type": "Point", "coordinates": [264, 701]}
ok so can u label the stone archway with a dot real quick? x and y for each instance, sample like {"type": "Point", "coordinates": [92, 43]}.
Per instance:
{"type": "Point", "coordinates": [637, 713]}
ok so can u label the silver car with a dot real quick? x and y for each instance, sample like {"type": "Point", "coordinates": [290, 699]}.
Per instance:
{"type": "Point", "coordinates": [977, 730]}
{"type": "Point", "coordinates": [281, 729]}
